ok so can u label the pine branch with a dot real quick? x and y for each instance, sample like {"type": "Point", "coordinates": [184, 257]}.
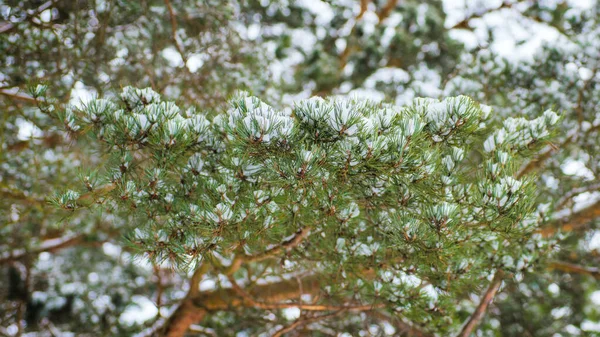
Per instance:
{"type": "Point", "coordinates": [269, 296]}
{"type": "Point", "coordinates": [487, 298]}
{"type": "Point", "coordinates": [538, 162]}
{"type": "Point", "coordinates": [196, 277]}
{"type": "Point", "coordinates": [576, 269]}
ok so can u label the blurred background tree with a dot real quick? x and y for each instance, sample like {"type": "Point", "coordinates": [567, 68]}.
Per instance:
{"type": "Point", "coordinates": [72, 272]}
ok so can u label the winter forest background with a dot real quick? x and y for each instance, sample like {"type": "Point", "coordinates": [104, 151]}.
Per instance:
{"type": "Point", "coordinates": [164, 170]}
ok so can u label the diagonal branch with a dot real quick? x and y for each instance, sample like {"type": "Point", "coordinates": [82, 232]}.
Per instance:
{"type": "Point", "coordinates": [8, 26]}
{"type": "Point", "coordinates": [487, 298]}
{"type": "Point", "coordinates": [387, 10]}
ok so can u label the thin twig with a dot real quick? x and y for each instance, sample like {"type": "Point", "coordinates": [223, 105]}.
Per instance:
{"type": "Point", "coordinates": [174, 31]}
{"type": "Point", "coordinates": [487, 298]}
{"type": "Point", "coordinates": [303, 321]}
{"type": "Point", "coordinates": [287, 245]}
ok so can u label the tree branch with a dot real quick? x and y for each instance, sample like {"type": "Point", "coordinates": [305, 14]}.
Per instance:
{"type": "Point", "coordinates": [49, 246]}
{"type": "Point", "coordinates": [16, 95]}
{"type": "Point", "coordinates": [574, 192]}
{"type": "Point", "coordinates": [387, 10]}
{"type": "Point", "coordinates": [268, 296]}
{"type": "Point", "coordinates": [576, 269]}
{"type": "Point", "coordinates": [403, 328]}
{"type": "Point", "coordinates": [304, 321]}
{"type": "Point", "coordinates": [572, 222]}
{"type": "Point", "coordinates": [487, 298]}
{"type": "Point", "coordinates": [286, 245]}
{"type": "Point", "coordinates": [174, 32]}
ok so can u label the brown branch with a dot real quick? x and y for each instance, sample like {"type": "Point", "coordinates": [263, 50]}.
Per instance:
{"type": "Point", "coordinates": [537, 163]}
{"type": "Point", "coordinates": [17, 96]}
{"type": "Point", "coordinates": [574, 192]}
{"type": "Point", "coordinates": [182, 318]}
{"type": "Point", "coordinates": [575, 269]}
{"type": "Point", "coordinates": [249, 301]}
{"type": "Point", "coordinates": [387, 10]}
{"type": "Point", "coordinates": [344, 55]}
{"type": "Point", "coordinates": [173, 18]}
{"type": "Point", "coordinates": [49, 246]}
{"type": "Point", "coordinates": [268, 296]}
{"type": "Point", "coordinates": [89, 198]}
{"type": "Point", "coordinates": [572, 222]}
{"type": "Point", "coordinates": [196, 277]}
{"type": "Point", "coordinates": [364, 5]}
{"type": "Point", "coordinates": [487, 298]}
{"type": "Point", "coordinates": [582, 90]}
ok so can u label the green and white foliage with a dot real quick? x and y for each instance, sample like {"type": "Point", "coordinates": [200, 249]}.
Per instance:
{"type": "Point", "coordinates": [413, 193]}
{"type": "Point", "coordinates": [324, 47]}
{"type": "Point", "coordinates": [564, 76]}
{"type": "Point", "coordinates": [177, 47]}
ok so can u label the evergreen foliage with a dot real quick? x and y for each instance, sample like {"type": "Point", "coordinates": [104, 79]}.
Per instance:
{"type": "Point", "coordinates": [172, 201]}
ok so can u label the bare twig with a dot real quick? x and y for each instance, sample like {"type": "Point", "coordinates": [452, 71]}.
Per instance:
{"type": "Point", "coordinates": [402, 328]}
{"type": "Point", "coordinates": [487, 298]}
{"type": "Point", "coordinates": [173, 18]}
{"type": "Point", "coordinates": [8, 26]}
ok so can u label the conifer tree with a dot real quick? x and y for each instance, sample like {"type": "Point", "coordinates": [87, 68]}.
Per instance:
{"type": "Point", "coordinates": [224, 174]}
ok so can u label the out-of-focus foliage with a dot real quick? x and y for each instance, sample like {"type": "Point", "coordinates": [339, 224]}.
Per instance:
{"type": "Point", "coordinates": [563, 75]}
{"type": "Point", "coordinates": [89, 226]}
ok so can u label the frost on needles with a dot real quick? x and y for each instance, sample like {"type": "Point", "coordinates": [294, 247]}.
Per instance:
{"type": "Point", "coordinates": [407, 206]}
